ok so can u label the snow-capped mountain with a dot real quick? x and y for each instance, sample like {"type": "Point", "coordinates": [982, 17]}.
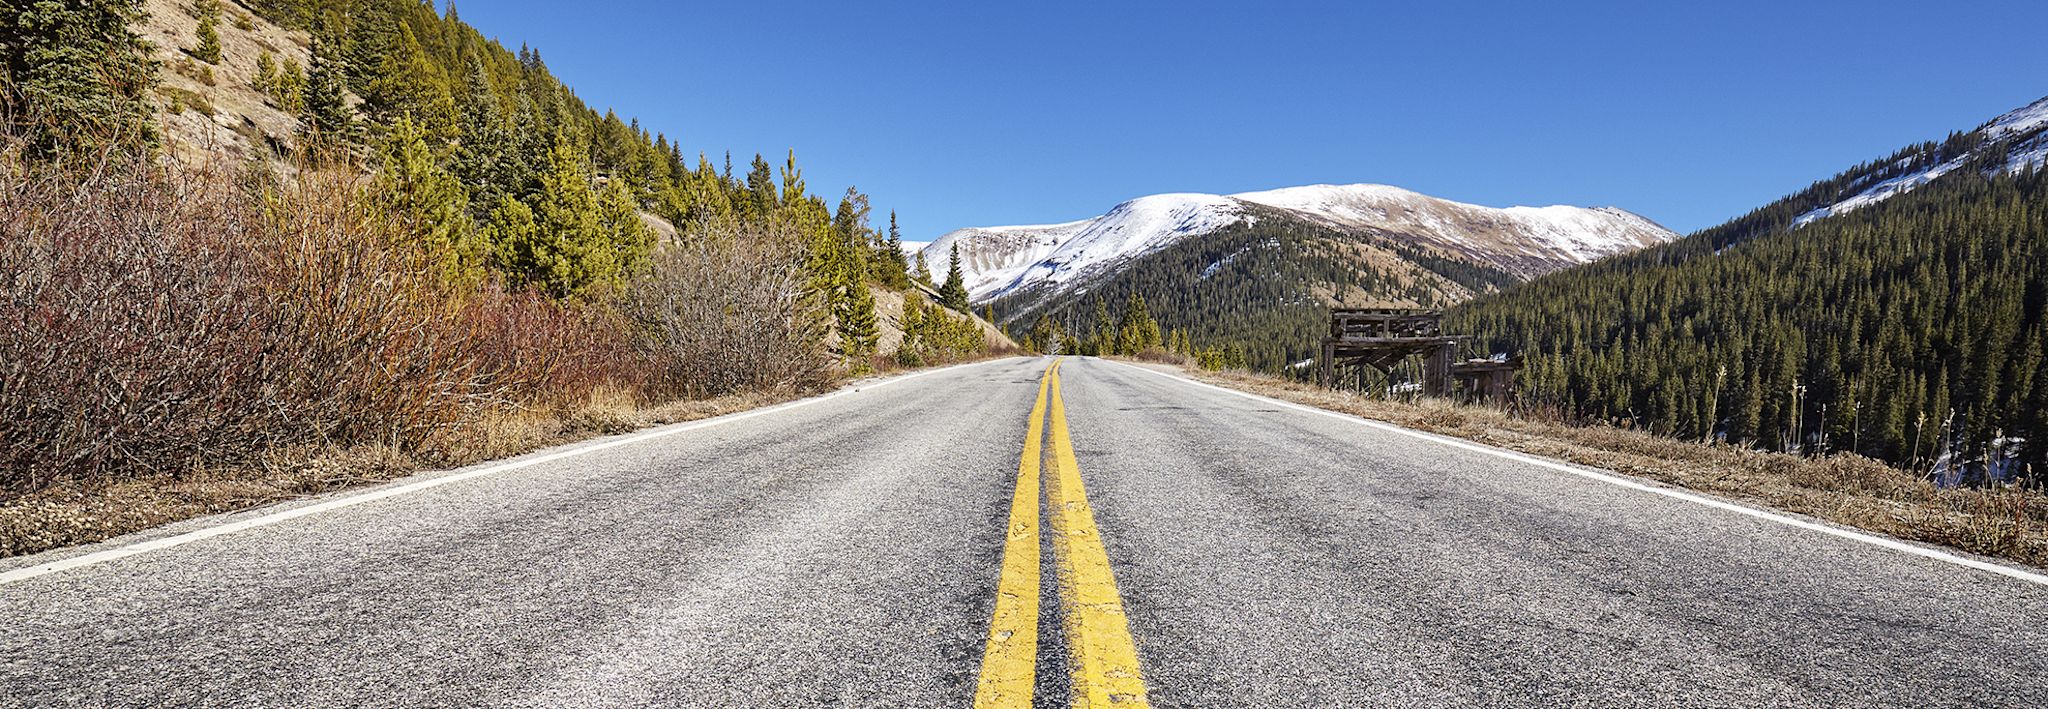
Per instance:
{"type": "Point", "coordinates": [1523, 241]}
{"type": "Point", "coordinates": [2021, 133]}
{"type": "Point", "coordinates": [1527, 241]}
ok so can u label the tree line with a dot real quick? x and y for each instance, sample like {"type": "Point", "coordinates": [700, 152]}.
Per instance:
{"type": "Point", "coordinates": [1900, 331]}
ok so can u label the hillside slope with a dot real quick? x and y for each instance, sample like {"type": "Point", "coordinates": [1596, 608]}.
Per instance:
{"type": "Point", "coordinates": [1894, 310]}
{"type": "Point", "coordinates": [216, 111]}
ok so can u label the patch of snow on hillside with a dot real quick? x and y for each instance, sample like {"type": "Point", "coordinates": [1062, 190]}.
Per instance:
{"type": "Point", "coordinates": [1880, 192]}
{"type": "Point", "coordinates": [1582, 234]}
{"type": "Point", "coordinates": [1133, 228]}
{"type": "Point", "coordinates": [998, 260]}
{"type": "Point", "coordinates": [2030, 119]}
{"type": "Point", "coordinates": [1575, 234]}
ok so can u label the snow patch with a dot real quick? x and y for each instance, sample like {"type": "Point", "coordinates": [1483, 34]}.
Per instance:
{"type": "Point", "coordinates": [1880, 192]}
{"type": "Point", "coordinates": [2028, 125]}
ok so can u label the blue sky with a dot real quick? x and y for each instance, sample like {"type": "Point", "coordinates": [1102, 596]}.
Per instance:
{"type": "Point", "coordinates": [972, 114]}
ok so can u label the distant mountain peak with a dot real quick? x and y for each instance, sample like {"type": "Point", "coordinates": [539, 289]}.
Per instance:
{"type": "Point", "coordinates": [1525, 241]}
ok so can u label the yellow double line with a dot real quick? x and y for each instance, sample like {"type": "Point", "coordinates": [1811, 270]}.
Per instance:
{"type": "Point", "coordinates": [1103, 659]}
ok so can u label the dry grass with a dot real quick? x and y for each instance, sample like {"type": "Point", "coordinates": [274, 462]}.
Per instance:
{"type": "Point", "coordinates": [2010, 524]}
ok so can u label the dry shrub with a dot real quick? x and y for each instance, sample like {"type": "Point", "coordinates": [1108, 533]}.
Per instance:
{"type": "Point", "coordinates": [1441, 417]}
{"type": "Point", "coordinates": [1162, 355]}
{"type": "Point", "coordinates": [179, 341]}
{"type": "Point", "coordinates": [155, 322]}
{"type": "Point", "coordinates": [726, 311]}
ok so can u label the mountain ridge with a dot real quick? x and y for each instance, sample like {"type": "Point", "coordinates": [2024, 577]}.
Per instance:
{"type": "Point", "coordinates": [1524, 241]}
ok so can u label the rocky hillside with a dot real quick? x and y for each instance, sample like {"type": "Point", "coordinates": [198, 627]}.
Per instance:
{"type": "Point", "coordinates": [219, 110]}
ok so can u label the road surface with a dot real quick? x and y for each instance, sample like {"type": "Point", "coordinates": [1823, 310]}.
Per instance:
{"type": "Point", "coordinates": [1175, 544]}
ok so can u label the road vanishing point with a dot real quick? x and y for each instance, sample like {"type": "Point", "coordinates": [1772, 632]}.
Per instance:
{"type": "Point", "coordinates": [1021, 532]}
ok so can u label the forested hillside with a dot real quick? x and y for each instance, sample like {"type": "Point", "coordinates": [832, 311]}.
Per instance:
{"type": "Point", "coordinates": [1903, 327]}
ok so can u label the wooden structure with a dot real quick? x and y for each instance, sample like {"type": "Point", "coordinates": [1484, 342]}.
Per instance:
{"type": "Point", "coordinates": [1372, 341]}
{"type": "Point", "coordinates": [1490, 380]}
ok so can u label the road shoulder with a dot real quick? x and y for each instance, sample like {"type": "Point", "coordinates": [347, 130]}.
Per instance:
{"type": "Point", "coordinates": [2003, 528]}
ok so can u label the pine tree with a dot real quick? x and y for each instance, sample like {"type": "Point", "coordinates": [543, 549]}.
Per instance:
{"type": "Point", "coordinates": [328, 119]}
{"type": "Point", "coordinates": [483, 155]}
{"type": "Point", "coordinates": [1137, 332]}
{"type": "Point", "coordinates": [1046, 335]}
{"type": "Point", "coordinates": [571, 249]}
{"type": "Point", "coordinates": [208, 35]}
{"type": "Point", "coordinates": [910, 350]}
{"type": "Point", "coordinates": [761, 188]}
{"type": "Point", "coordinates": [427, 204]}
{"type": "Point", "coordinates": [76, 76]}
{"type": "Point", "coordinates": [406, 82]}
{"type": "Point", "coordinates": [954, 293]}
{"type": "Point", "coordinates": [1105, 330]}
{"type": "Point", "coordinates": [507, 236]}
{"type": "Point", "coordinates": [266, 74]}
{"type": "Point", "coordinates": [629, 240]}
{"type": "Point", "coordinates": [858, 326]}
{"type": "Point", "coordinates": [922, 273]}
{"type": "Point", "coordinates": [287, 88]}
{"type": "Point", "coordinates": [897, 273]}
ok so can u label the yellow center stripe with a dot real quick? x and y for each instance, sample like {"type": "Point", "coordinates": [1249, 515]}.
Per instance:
{"type": "Point", "coordinates": [1009, 661]}
{"type": "Point", "coordinates": [1105, 661]}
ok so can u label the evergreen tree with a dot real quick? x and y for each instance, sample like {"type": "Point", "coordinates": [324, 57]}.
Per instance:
{"type": "Point", "coordinates": [1102, 342]}
{"type": "Point", "coordinates": [407, 83]}
{"type": "Point", "coordinates": [483, 156]}
{"type": "Point", "coordinates": [954, 293]}
{"type": "Point", "coordinates": [1046, 335]}
{"type": "Point", "coordinates": [508, 236]}
{"type": "Point", "coordinates": [628, 238]}
{"type": "Point", "coordinates": [1138, 331]}
{"type": "Point", "coordinates": [208, 35]}
{"type": "Point", "coordinates": [328, 119]}
{"type": "Point", "coordinates": [266, 73]}
{"type": "Point", "coordinates": [581, 241]}
{"type": "Point", "coordinates": [428, 204]}
{"type": "Point", "coordinates": [922, 273]}
{"type": "Point", "coordinates": [859, 328]}
{"type": "Point", "coordinates": [75, 76]}
{"type": "Point", "coordinates": [896, 272]}
{"type": "Point", "coordinates": [761, 188]}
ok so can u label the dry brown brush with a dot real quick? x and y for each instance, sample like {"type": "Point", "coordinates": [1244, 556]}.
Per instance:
{"type": "Point", "coordinates": [726, 310]}
{"type": "Point", "coordinates": [155, 323]}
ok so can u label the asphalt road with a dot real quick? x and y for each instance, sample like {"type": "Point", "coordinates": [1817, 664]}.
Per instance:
{"type": "Point", "coordinates": [847, 552]}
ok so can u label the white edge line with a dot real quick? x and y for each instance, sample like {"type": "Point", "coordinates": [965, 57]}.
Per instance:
{"type": "Point", "coordinates": [100, 557]}
{"type": "Point", "coordinates": [1612, 479]}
